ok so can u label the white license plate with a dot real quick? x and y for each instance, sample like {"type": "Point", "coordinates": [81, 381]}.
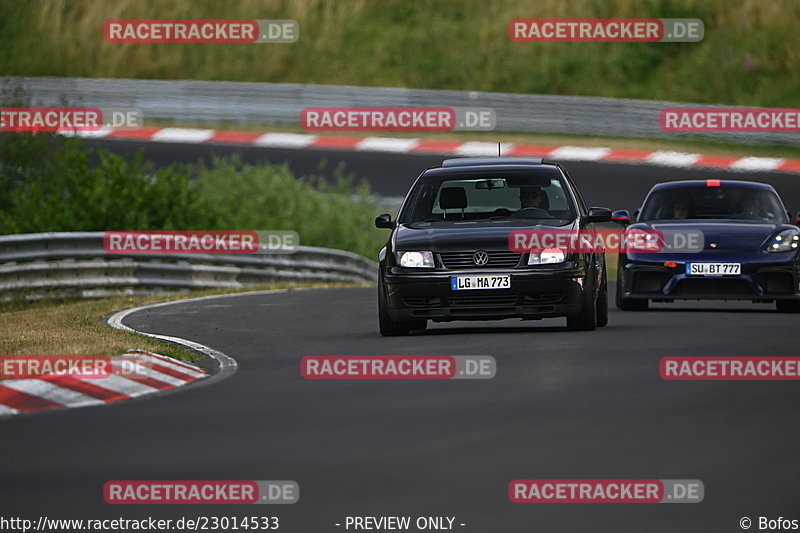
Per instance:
{"type": "Point", "coordinates": [713, 269]}
{"type": "Point", "coordinates": [480, 282]}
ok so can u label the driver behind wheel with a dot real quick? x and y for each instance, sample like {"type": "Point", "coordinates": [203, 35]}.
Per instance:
{"type": "Point", "coordinates": [532, 197]}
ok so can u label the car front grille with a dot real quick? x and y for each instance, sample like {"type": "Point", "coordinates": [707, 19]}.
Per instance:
{"type": "Point", "coordinates": [493, 300]}
{"type": "Point", "coordinates": [545, 298]}
{"type": "Point", "coordinates": [422, 301]}
{"type": "Point", "coordinates": [497, 259]}
{"type": "Point", "coordinates": [713, 287]}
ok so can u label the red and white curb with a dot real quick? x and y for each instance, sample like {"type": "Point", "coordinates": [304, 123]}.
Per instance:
{"type": "Point", "coordinates": [448, 147]}
{"type": "Point", "coordinates": [155, 373]}
{"type": "Point", "coordinates": [25, 396]}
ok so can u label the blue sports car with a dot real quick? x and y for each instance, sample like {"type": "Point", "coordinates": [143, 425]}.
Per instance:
{"type": "Point", "coordinates": [744, 246]}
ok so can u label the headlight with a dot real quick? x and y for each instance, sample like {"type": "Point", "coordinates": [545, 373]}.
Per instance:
{"type": "Point", "coordinates": [785, 241]}
{"type": "Point", "coordinates": [416, 259]}
{"type": "Point", "coordinates": [548, 256]}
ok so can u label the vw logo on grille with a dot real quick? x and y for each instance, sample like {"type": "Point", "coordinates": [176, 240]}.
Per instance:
{"type": "Point", "coordinates": [480, 258]}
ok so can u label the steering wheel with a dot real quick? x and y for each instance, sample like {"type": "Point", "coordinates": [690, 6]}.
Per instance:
{"type": "Point", "coordinates": [532, 212]}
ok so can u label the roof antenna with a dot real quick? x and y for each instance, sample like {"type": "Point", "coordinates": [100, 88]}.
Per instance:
{"type": "Point", "coordinates": [498, 149]}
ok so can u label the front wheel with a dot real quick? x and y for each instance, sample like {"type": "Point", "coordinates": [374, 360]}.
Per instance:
{"type": "Point", "coordinates": [586, 320]}
{"type": "Point", "coordinates": [602, 301]}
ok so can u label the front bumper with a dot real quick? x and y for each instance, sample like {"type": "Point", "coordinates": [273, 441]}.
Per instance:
{"type": "Point", "coordinates": [533, 294]}
{"type": "Point", "coordinates": [764, 279]}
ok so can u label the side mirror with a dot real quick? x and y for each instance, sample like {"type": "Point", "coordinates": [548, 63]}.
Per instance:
{"type": "Point", "coordinates": [797, 218]}
{"type": "Point", "coordinates": [598, 214]}
{"type": "Point", "coordinates": [384, 221]}
{"type": "Point", "coordinates": [621, 217]}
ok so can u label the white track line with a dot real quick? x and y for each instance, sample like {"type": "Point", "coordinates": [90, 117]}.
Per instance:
{"type": "Point", "coordinates": [182, 135]}
{"type": "Point", "coordinates": [387, 144]}
{"type": "Point", "coordinates": [672, 159]}
{"type": "Point", "coordinates": [756, 164]}
{"type": "Point", "coordinates": [287, 140]}
{"type": "Point", "coordinates": [478, 148]}
{"type": "Point", "coordinates": [7, 411]}
{"type": "Point", "coordinates": [578, 153]}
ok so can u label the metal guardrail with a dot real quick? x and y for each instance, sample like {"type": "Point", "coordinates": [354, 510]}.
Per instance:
{"type": "Point", "coordinates": [216, 102]}
{"type": "Point", "coordinates": [37, 265]}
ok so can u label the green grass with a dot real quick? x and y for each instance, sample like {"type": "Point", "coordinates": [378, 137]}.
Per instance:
{"type": "Point", "coordinates": [750, 54]}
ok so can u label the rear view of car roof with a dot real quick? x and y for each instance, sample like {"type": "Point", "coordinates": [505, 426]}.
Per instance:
{"type": "Point", "coordinates": [477, 165]}
{"type": "Point", "coordinates": [711, 183]}
{"type": "Point", "coordinates": [481, 161]}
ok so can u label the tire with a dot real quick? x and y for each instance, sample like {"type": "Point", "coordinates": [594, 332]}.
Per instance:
{"type": "Point", "coordinates": [586, 320]}
{"type": "Point", "coordinates": [627, 304]}
{"type": "Point", "coordinates": [602, 300]}
{"type": "Point", "coordinates": [390, 327]}
{"type": "Point", "coordinates": [788, 306]}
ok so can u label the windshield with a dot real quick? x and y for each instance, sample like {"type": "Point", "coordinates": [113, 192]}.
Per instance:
{"type": "Point", "coordinates": [738, 203]}
{"type": "Point", "coordinates": [540, 197]}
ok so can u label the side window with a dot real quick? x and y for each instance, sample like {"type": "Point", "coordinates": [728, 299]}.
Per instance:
{"type": "Point", "coordinates": [421, 202]}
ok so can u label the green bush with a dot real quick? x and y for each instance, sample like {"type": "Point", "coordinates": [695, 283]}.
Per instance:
{"type": "Point", "coordinates": [242, 196]}
{"type": "Point", "coordinates": [50, 183]}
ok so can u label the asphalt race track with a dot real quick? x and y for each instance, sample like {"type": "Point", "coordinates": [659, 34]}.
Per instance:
{"type": "Point", "coordinates": [613, 185]}
{"type": "Point", "coordinates": [562, 405]}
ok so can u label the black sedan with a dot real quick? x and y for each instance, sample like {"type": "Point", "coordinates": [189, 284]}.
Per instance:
{"type": "Point", "coordinates": [449, 256]}
{"type": "Point", "coordinates": [746, 246]}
